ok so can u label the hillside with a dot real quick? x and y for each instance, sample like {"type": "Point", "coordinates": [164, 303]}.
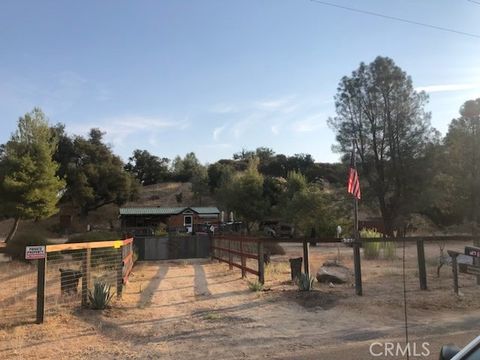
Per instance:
{"type": "Point", "coordinates": [106, 217]}
{"type": "Point", "coordinates": [169, 194]}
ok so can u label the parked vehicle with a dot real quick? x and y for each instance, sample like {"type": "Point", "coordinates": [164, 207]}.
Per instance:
{"type": "Point", "coordinates": [231, 227]}
{"type": "Point", "coordinates": [469, 352]}
{"type": "Point", "coordinates": [277, 229]}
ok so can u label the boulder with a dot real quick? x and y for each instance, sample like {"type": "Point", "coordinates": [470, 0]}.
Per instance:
{"type": "Point", "coordinates": [335, 274]}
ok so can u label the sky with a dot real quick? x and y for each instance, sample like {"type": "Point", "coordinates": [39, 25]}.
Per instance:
{"type": "Point", "coordinates": [216, 76]}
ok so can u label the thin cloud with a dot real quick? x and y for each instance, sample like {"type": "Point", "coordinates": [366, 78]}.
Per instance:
{"type": "Point", "coordinates": [448, 87]}
{"type": "Point", "coordinates": [217, 132]}
{"type": "Point", "coordinates": [278, 104]}
{"type": "Point", "coordinates": [118, 129]}
{"type": "Point", "coordinates": [310, 124]}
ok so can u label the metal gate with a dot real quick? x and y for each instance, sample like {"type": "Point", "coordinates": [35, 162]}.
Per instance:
{"type": "Point", "coordinates": [173, 247]}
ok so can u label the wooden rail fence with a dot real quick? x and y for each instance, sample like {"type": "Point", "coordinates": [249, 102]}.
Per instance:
{"type": "Point", "coordinates": [227, 248]}
{"type": "Point", "coordinates": [115, 256]}
{"type": "Point", "coordinates": [225, 251]}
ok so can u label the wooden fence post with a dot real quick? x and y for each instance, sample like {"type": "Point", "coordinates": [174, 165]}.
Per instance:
{"type": "Point", "coordinates": [476, 262]}
{"type": "Point", "coordinates": [242, 259]}
{"type": "Point", "coordinates": [119, 268]}
{"type": "Point", "coordinates": [306, 264]}
{"type": "Point", "coordinates": [455, 273]}
{"type": "Point", "coordinates": [86, 261]}
{"type": "Point", "coordinates": [230, 260]}
{"type": "Point", "coordinates": [422, 271]}
{"type": "Point", "coordinates": [41, 278]}
{"type": "Point", "coordinates": [261, 264]}
{"type": "Point", "coordinates": [357, 266]}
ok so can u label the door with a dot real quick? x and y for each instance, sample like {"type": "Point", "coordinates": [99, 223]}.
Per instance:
{"type": "Point", "coordinates": [188, 223]}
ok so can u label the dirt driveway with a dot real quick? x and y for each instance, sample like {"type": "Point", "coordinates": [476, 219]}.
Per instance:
{"type": "Point", "coordinates": [201, 310]}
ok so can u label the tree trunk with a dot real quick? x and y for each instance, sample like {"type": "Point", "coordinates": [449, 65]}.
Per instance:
{"type": "Point", "coordinates": [13, 230]}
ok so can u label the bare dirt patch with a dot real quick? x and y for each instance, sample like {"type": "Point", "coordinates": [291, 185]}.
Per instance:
{"type": "Point", "coordinates": [200, 310]}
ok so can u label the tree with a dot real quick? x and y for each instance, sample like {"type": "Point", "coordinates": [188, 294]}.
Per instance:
{"type": "Point", "coordinates": [300, 163]}
{"type": "Point", "coordinates": [148, 169]}
{"type": "Point", "coordinates": [95, 176]}
{"type": "Point", "coordinates": [29, 186]}
{"type": "Point", "coordinates": [244, 155]}
{"type": "Point", "coordinates": [308, 206]}
{"type": "Point", "coordinates": [462, 155]}
{"type": "Point", "coordinates": [244, 195]}
{"type": "Point", "coordinates": [218, 174]}
{"type": "Point", "coordinates": [200, 186]}
{"type": "Point", "coordinates": [184, 169]}
{"type": "Point", "coordinates": [378, 106]}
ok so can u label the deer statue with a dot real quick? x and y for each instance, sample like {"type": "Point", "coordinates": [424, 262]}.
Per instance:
{"type": "Point", "coordinates": [443, 259]}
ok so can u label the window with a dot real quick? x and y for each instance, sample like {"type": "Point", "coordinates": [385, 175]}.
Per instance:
{"type": "Point", "coordinates": [187, 220]}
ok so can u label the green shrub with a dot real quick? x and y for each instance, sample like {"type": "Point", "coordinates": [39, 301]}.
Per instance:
{"type": "Point", "coordinates": [375, 250]}
{"type": "Point", "coordinates": [161, 230]}
{"type": "Point", "coordinates": [305, 282]}
{"type": "Point", "coordinates": [389, 250]}
{"type": "Point", "coordinates": [371, 250]}
{"type": "Point", "coordinates": [101, 296]}
{"type": "Point", "coordinates": [255, 285]}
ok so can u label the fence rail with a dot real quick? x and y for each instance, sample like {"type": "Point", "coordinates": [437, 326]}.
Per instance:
{"type": "Point", "coordinates": [235, 251]}
{"type": "Point", "coordinates": [63, 279]}
{"type": "Point", "coordinates": [227, 250]}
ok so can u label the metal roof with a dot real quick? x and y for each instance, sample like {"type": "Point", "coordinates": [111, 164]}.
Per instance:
{"type": "Point", "coordinates": [166, 210]}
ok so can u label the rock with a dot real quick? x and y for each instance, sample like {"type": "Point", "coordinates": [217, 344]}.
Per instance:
{"type": "Point", "coordinates": [332, 263]}
{"type": "Point", "coordinates": [336, 274]}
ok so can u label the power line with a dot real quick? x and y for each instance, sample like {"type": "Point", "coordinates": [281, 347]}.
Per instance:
{"type": "Point", "coordinates": [399, 19]}
{"type": "Point", "coordinates": [474, 2]}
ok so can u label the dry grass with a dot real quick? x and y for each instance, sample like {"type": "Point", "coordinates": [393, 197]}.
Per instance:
{"type": "Point", "coordinates": [183, 310]}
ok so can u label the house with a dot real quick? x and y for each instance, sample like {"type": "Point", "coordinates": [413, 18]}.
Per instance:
{"type": "Point", "coordinates": [146, 220]}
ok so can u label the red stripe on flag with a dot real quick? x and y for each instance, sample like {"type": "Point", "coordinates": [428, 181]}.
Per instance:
{"type": "Point", "coordinates": [353, 186]}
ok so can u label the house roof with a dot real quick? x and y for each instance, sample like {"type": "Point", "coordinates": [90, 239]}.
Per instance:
{"type": "Point", "coordinates": [167, 210]}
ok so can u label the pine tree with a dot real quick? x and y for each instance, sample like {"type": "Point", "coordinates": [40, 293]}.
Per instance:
{"type": "Point", "coordinates": [29, 186]}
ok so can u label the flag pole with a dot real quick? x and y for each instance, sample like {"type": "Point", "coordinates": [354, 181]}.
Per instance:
{"type": "Point", "coordinates": [356, 244]}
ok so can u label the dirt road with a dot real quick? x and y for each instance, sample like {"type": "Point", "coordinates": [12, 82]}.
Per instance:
{"type": "Point", "coordinates": [201, 310]}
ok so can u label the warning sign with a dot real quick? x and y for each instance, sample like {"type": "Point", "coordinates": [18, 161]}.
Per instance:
{"type": "Point", "coordinates": [34, 252]}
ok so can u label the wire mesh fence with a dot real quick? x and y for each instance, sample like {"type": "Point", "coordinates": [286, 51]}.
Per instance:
{"type": "Point", "coordinates": [18, 292]}
{"type": "Point", "coordinates": [71, 272]}
{"type": "Point", "coordinates": [382, 267]}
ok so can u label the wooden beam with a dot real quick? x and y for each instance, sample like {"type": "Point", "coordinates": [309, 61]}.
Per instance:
{"type": "Point", "coordinates": [41, 279]}
{"type": "Point", "coordinates": [247, 269]}
{"type": "Point", "coordinates": [247, 255]}
{"type": "Point", "coordinates": [261, 264]}
{"type": "Point", "coordinates": [243, 259]}
{"type": "Point", "coordinates": [422, 270]}
{"type": "Point", "coordinates": [306, 263]}
{"type": "Point", "coordinates": [455, 273]}
{"type": "Point", "coordinates": [88, 245]}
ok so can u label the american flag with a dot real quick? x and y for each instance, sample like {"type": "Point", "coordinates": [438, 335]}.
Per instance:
{"type": "Point", "coordinates": [353, 186]}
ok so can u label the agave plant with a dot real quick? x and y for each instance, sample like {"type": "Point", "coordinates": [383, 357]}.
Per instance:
{"type": "Point", "coordinates": [305, 282]}
{"type": "Point", "coordinates": [255, 285]}
{"type": "Point", "coordinates": [101, 295]}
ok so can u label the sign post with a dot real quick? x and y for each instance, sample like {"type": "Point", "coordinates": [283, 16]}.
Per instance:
{"type": "Point", "coordinates": [475, 253]}
{"type": "Point", "coordinates": [39, 253]}
{"type": "Point", "coordinates": [35, 252]}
